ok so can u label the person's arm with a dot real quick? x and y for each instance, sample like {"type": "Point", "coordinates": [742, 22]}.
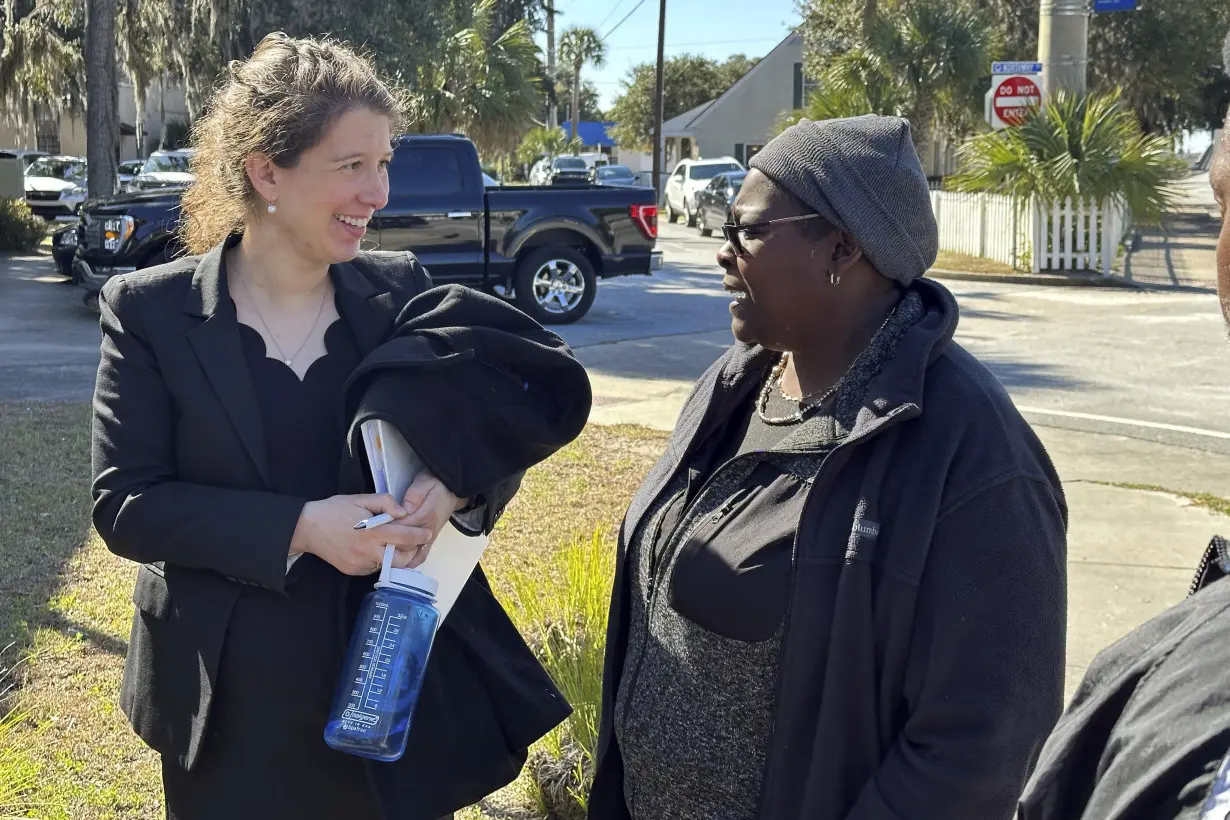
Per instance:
{"type": "Point", "coordinates": [985, 679]}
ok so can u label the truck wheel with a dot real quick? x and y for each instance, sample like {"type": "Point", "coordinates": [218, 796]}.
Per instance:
{"type": "Point", "coordinates": [556, 285]}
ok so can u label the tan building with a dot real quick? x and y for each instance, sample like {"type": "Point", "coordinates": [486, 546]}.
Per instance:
{"type": "Point", "coordinates": [65, 134]}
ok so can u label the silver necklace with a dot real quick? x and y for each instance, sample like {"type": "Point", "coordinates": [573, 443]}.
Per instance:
{"type": "Point", "coordinates": [287, 360]}
{"type": "Point", "coordinates": [804, 404]}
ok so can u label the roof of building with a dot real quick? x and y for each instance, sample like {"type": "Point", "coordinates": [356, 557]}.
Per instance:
{"type": "Point", "coordinates": [682, 125]}
{"type": "Point", "coordinates": [592, 132]}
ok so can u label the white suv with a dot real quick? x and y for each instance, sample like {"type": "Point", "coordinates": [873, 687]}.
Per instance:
{"type": "Point", "coordinates": [689, 176]}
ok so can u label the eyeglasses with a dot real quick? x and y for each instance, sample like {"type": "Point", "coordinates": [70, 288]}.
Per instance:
{"type": "Point", "coordinates": [731, 230]}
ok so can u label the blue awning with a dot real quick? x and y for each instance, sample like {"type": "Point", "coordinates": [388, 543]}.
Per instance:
{"type": "Point", "coordinates": [592, 133]}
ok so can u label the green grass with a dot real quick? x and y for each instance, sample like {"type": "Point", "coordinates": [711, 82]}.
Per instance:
{"type": "Point", "coordinates": [950, 260]}
{"type": "Point", "coordinates": [1208, 501]}
{"type": "Point", "coordinates": [565, 618]}
{"type": "Point", "coordinates": [66, 751]}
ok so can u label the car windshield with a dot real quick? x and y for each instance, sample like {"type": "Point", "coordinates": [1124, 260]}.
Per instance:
{"type": "Point", "coordinates": [709, 171]}
{"type": "Point", "coordinates": [58, 168]}
{"type": "Point", "coordinates": [159, 163]}
{"type": "Point", "coordinates": [570, 164]}
{"type": "Point", "coordinates": [615, 172]}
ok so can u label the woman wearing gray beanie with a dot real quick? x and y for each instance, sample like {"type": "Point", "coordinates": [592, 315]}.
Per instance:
{"type": "Point", "coordinates": [841, 593]}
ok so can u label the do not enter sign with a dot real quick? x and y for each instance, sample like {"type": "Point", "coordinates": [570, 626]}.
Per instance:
{"type": "Point", "coordinates": [1013, 98]}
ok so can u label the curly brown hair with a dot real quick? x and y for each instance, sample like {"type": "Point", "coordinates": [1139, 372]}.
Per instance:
{"type": "Point", "coordinates": [279, 102]}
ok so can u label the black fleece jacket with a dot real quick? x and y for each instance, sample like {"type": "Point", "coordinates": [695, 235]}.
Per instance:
{"type": "Point", "coordinates": [922, 658]}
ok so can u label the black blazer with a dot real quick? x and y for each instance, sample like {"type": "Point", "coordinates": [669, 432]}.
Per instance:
{"type": "Point", "coordinates": [180, 486]}
{"type": "Point", "coordinates": [180, 472]}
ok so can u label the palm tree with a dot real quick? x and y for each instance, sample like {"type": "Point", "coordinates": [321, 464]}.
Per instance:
{"type": "Point", "coordinates": [482, 85]}
{"type": "Point", "coordinates": [942, 49]}
{"type": "Point", "coordinates": [578, 46]}
{"type": "Point", "coordinates": [919, 59]}
{"type": "Point", "coordinates": [540, 142]}
{"type": "Point", "coordinates": [1088, 148]}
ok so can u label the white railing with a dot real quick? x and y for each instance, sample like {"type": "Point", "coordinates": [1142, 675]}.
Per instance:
{"type": "Point", "coordinates": [1060, 236]}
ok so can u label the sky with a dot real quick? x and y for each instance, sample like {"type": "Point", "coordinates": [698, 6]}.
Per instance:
{"type": "Point", "coordinates": [713, 28]}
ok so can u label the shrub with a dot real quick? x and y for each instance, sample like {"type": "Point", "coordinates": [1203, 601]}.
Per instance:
{"type": "Point", "coordinates": [18, 769]}
{"type": "Point", "coordinates": [20, 229]}
{"type": "Point", "coordinates": [561, 608]}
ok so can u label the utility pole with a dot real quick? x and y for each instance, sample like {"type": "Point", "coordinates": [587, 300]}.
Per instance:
{"type": "Point", "coordinates": [552, 114]}
{"type": "Point", "coordinates": [658, 142]}
{"type": "Point", "coordinates": [1063, 44]}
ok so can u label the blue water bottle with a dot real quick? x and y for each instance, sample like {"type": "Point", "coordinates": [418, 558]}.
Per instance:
{"type": "Point", "coordinates": [383, 672]}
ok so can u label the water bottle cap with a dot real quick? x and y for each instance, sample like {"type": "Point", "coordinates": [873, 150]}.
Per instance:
{"type": "Point", "coordinates": [413, 580]}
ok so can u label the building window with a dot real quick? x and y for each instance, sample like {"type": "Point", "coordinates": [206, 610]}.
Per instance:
{"type": "Point", "coordinates": [47, 132]}
{"type": "Point", "coordinates": [753, 150]}
{"type": "Point", "coordinates": [798, 85]}
{"type": "Point", "coordinates": [739, 151]}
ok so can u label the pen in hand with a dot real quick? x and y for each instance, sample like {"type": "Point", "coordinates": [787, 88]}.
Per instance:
{"type": "Point", "coordinates": [374, 521]}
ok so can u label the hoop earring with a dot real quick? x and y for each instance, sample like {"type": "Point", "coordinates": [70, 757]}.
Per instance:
{"type": "Point", "coordinates": [272, 208]}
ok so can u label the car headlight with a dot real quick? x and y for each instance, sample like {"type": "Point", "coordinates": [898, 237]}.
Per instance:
{"type": "Point", "coordinates": [116, 230]}
{"type": "Point", "coordinates": [75, 192]}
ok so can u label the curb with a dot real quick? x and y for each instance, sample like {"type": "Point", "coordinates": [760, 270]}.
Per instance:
{"type": "Point", "coordinates": [1072, 280]}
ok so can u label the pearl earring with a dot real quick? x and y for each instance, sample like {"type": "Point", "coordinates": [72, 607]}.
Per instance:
{"type": "Point", "coordinates": [272, 208]}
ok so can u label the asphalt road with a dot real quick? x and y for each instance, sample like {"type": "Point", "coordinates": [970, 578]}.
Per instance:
{"type": "Point", "coordinates": [1152, 365]}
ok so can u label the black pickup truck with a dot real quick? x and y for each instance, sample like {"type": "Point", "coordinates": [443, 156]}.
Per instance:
{"type": "Point", "coordinates": [544, 246]}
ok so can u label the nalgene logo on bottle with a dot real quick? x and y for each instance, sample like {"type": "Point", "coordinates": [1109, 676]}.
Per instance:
{"type": "Point", "coordinates": [360, 717]}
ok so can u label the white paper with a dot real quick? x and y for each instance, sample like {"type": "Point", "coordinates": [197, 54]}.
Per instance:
{"type": "Point", "coordinates": [454, 555]}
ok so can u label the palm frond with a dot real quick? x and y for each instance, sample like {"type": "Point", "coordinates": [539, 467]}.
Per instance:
{"type": "Point", "coordinates": [1089, 148]}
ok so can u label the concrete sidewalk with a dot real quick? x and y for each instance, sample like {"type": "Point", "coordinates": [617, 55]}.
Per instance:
{"type": "Point", "coordinates": [1131, 553]}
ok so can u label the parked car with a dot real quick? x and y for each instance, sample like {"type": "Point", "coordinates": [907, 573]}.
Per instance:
{"type": "Point", "coordinates": [543, 247]}
{"type": "Point", "coordinates": [594, 159]}
{"type": "Point", "coordinates": [26, 156]}
{"type": "Point", "coordinates": [714, 200]}
{"type": "Point", "coordinates": [63, 248]}
{"type": "Point", "coordinates": [55, 187]}
{"type": "Point", "coordinates": [689, 176]}
{"type": "Point", "coordinates": [559, 170]}
{"type": "Point", "coordinates": [128, 171]}
{"type": "Point", "coordinates": [613, 176]}
{"type": "Point", "coordinates": [165, 169]}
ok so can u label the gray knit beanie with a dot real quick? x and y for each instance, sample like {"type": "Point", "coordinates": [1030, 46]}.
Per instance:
{"type": "Point", "coordinates": [861, 174]}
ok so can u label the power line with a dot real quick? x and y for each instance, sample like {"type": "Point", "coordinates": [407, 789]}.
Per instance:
{"type": "Point", "coordinates": [610, 14]}
{"type": "Point", "coordinates": [621, 22]}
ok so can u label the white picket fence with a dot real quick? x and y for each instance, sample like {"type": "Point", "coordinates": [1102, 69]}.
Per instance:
{"type": "Point", "coordinates": [1067, 236]}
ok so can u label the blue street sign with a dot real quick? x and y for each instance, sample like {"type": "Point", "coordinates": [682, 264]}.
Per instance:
{"type": "Point", "coordinates": [1114, 5]}
{"type": "Point", "coordinates": [1016, 68]}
